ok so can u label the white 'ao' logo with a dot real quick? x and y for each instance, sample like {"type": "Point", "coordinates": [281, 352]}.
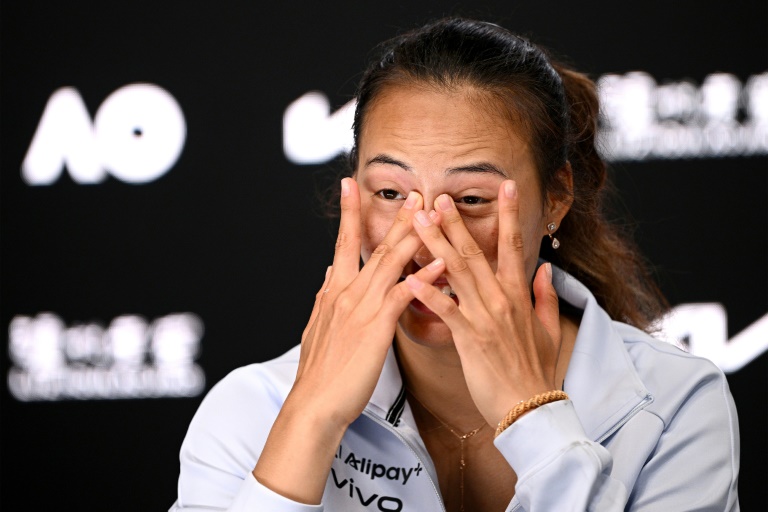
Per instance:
{"type": "Point", "coordinates": [137, 135]}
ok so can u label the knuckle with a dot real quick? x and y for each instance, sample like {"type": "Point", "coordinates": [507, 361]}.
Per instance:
{"type": "Point", "coordinates": [388, 259]}
{"type": "Point", "coordinates": [381, 250]}
{"type": "Point", "coordinates": [343, 304]}
{"type": "Point", "coordinates": [515, 240]}
{"type": "Point", "coordinates": [499, 308]}
{"type": "Point", "coordinates": [344, 240]}
{"type": "Point", "coordinates": [401, 218]}
{"type": "Point", "coordinates": [471, 249]}
{"type": "Point", "coordinates": [456, 265]}
{"type": "Point", "coordinates": [447, 309]}
{"type": "Point", "coordinates": [553, 301]}
{"type": "Point", "coordinates": [434, 233]}
{"type": "Point", "coordinates": [400, 294]}
{"type": "Point", "coordinates": [452, 218]}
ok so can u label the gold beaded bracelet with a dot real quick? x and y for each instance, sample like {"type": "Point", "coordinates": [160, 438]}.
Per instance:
{"type": "Point", "coordinates": [526, 405]}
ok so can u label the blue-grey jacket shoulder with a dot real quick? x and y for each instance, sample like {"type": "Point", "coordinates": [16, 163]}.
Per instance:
{"type": "Point", "coordinates": [674, 376]}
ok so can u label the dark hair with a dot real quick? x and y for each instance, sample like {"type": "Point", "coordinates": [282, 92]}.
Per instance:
{"type": "Point", "coordinates": [557, 108]}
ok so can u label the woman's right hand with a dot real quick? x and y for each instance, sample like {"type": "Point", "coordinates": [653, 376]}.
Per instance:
{"type": "Point", "coordinates": [343, 349]}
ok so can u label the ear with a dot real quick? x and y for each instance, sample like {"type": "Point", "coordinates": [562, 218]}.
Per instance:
{"type": "Point", "coordinates": [560, 198]}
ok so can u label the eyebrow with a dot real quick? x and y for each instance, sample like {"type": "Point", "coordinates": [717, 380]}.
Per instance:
{"type": "Point", "coordinates": [386, 159]}
{"type": "Point", "coordinates": [480, 167]}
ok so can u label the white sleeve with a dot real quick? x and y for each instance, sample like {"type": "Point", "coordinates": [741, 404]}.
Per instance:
{"type": "Point", "coordinates": [557, 466]}
{"type": "Point", "coordinates": [224, 442]}
{"type": "Point", "coordinates": [252, 496]}
{"type": "Point", "coordinates": [687, 461]}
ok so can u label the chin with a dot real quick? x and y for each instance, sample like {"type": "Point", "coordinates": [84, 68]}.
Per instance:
{"type": "Point", "coordinates": [427, 330]}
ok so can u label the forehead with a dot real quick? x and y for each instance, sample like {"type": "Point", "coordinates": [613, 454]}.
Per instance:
{"type": "Point", "coordinates": [431, 126]}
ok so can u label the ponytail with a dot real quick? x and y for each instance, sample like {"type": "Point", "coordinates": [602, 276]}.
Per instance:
{"type": "Point", "coordinates": [594, 250]}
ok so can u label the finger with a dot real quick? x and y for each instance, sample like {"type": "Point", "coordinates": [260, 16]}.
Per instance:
{"type": "Point", "coordinates": [399, 296]}
{"type": "Point", "coordinates": [306, 340]}
{"type": "Point", "coordinates": [318, 299]}
{"type": "Point", "coordinates": [346, 259]}
{"type": "Point", "coordinates": [384, 276]}
{"type": "Point", "coordinates": [456, 231]}
{"type": "Point", "coordinates": [391, 270]}
{"type": "Point", "coordinates": [511, 267]}
{"type": "Point", "coordinates": [440, 304]}
{"type": "Point", "coordinates": [391, 264]}
{"type": "Point", "coordinates": [547, 307]}
{"type": "Point", "coordinates": [395, 250]}
{"type": "Point", "coordinates": [457, 270]}
{"type": "Point", "coordinates": [435, 216]}
{"type": "Point", "coordinates": [401, 227]}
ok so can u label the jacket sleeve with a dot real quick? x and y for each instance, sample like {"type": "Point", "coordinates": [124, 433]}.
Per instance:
{"type": "Point", "coordinates": [683, 456]}
{"type": "Point", "coordinates": [222, 445]}
{"type": "Point", "coordinates": [695, 463]}
{"type": "Point", "coordinates": [557, 466]}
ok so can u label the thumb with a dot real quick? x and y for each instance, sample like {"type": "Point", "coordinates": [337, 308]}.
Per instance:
{"type": "Point", "coordinates": [547, 307]}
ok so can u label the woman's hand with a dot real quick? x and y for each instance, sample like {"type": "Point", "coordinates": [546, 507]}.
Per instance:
{"type": "Point", "coordinates": [343, 349]}
{"type": "Point", "coordinates": [352, 324]}
{"type": "Point", "coordinates": [508, 347]}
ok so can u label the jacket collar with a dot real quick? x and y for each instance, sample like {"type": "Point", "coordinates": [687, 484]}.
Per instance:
{"type": "Point", "coordinates": [601, 380]}
{"type": "Point", "coordinates": [388, 399]}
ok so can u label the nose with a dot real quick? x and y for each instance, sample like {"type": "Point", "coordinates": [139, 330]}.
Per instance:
{"type": "Point", "coordinates": [423, 257]}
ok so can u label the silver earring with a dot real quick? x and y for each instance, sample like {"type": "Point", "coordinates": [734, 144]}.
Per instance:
{"type": "Point", "coordinates": [555, 242]}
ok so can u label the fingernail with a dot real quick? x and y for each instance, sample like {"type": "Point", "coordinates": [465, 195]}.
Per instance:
{"type": "Point", "coordinates": [548, 270]}
{"type": "Point", "coordinates": [444, 202]}
{"type": "Point", "coordinates": [344, 187]}
{"type": "Point", "coordinates": [510, 189]}
{"type": "Point", "coordinates": [410, 201]}
{"type": "Point", "coordinates": [413, 282]}
{"type": "Point", "coordinates": [436, 263]}
{"type": "Point", "coordinates": [433, 215]}
{"type": "Point", "coordinates": [423, 218]}
{"type": "Point", "coordinates": [328, 272]}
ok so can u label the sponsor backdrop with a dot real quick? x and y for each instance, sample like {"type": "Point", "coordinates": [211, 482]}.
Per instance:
{"type": "Point", "coordinates": [164, 166]}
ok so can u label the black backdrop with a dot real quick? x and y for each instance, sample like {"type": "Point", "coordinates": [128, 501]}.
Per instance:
{"type": "Point", "coordinates": [231, 232]}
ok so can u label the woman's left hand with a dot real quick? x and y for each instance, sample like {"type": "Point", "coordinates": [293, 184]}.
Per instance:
{"type": "Point", "coordinates": [508, 347]}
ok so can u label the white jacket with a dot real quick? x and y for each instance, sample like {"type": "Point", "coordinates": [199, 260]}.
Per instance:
{"type": "Point", "coordinates": [648, 427]}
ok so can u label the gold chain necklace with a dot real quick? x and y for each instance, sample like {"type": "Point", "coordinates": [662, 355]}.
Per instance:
{"type": "Point", "coordinates": [461, 437]}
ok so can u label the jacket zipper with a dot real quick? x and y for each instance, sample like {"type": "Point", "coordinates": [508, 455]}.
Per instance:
{"type": "Point", "coordinates": [643, 403]}
{"type": "Point", "coordinates": [403, 440]}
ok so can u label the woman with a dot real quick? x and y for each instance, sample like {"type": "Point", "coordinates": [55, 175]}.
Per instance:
{"type": "Point", "coordinates": [458, 369]}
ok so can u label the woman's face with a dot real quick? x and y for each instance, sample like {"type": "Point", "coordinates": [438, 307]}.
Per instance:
{"type": "Point", "coordinates": [455, 143]}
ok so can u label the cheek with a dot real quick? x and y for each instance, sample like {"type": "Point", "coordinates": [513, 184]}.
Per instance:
{"type": "Point", "coordinates": [374, 227]}
{"type": "Point", "coordinates": [530, 225]}
{"type": "Point", "coordinates": [485, 231]}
